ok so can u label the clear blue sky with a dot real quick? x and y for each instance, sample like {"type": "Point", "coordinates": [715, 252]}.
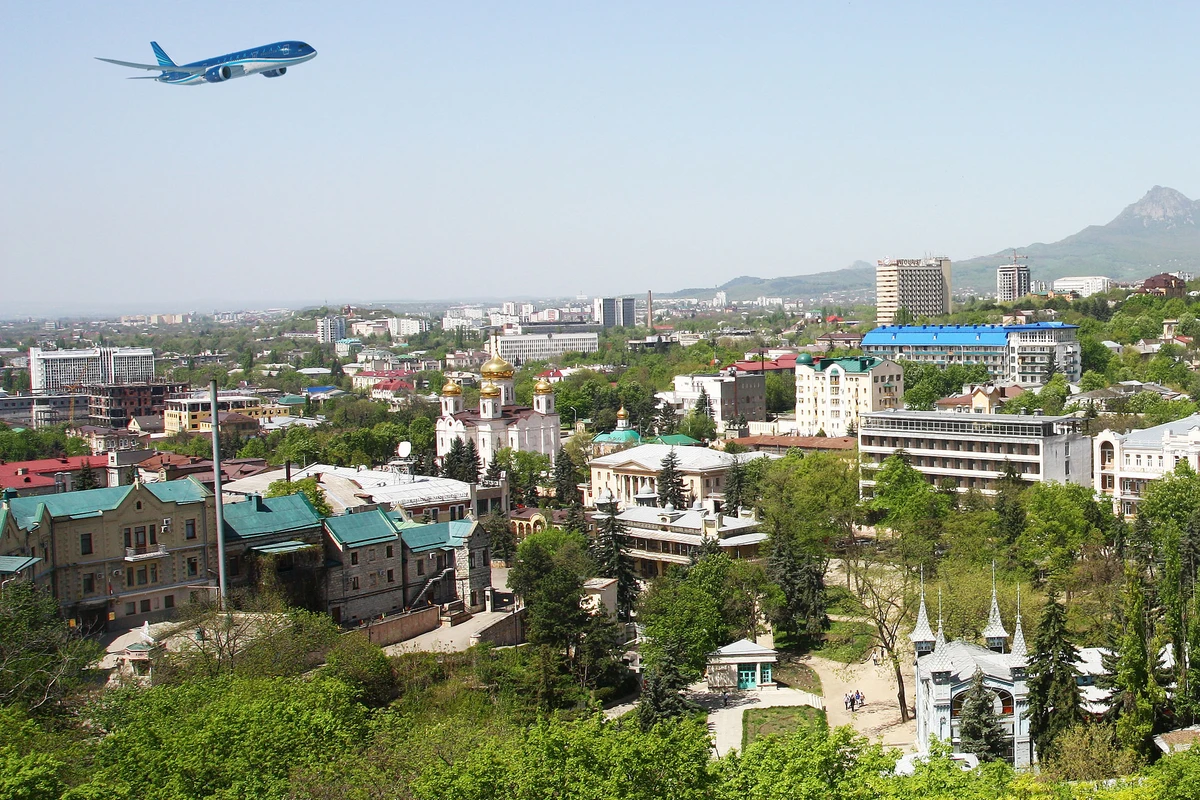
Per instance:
{"type": "Point", "coordinates": [438, 150]}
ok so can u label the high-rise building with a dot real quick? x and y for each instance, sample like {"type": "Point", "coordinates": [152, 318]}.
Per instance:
{"type": "Point", "coordinates": [614, 312]}
{"type": "Point", "coordinates": [1012, 282]}
{"type": "Point", "coordinates": [53, 370]}
{"type": "Point", "coordinates": [920, 286]}
{"type": "Point", "coordinates": [330, 329]}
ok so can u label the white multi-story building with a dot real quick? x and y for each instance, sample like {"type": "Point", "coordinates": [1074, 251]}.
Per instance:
{"type": "Point", "coordinates": [1012, 282]}
{"type": "Point", "coordinates": [407, 326]}
{"type": "Point", "coordinates": [1126, 463]}
{"type": "Point", "coordinates": [1020, 354]}
{"type": "Point", "coordinates": [730, 396]}
{"type": "Point", "coordinates": [54, 370]}
{"type": "Point", "coordinates": [545, 346]}
{"type": "Point", "coordinates": [626, 476]}
{"type": "Point", "coordinates": [465, 323]}
{"type": "Point", "coordinates": [616, 312]}
{"type": "Point", "coordinates": [973, 450]}
{"type": "Point", "coordinates": [330, 329]}
{"type": "Point", "coordinates": [1084, 286]}
{"type": "Point", "coordinates": [831, 393]}
{"type": "Point", "coordinates": [921, 286]}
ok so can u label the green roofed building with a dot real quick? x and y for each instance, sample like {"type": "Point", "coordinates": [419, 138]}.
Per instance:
{"type": "Point", "coordinates": [831, 393]}
{"type": "Point", "coordinates": [287, 532]}
{"type": "Point", "coordinates": [119, 556]}
{"type": "Point", "coordinates": [620, 439]}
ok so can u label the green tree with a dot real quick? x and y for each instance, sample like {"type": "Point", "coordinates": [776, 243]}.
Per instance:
{"type": "Point", "coordinates": [472, 467]}
{"type": "Point", "coordinates": [501, 539]}
{"type": "Point", "coordinates": [87, 480]}
{"type": "Point", "coordinates": [703, 404]}
{"type": "Point", "coordinates": [662, 699]}
{"type": "Point", "coordinates": [1053, 693]}
{"type": "Point", "coordinates": [698, 425]}
{"type": "Point", "coordinates": [665, 420]}
{"type": "Point", "coordinates": [979, 728]}
{"type": "Point", "coordinates": [800, 576]}
{"type": "Point", "coordinates": [605, 550]}
{"type": "Point", "coordinates": [305, 486]}
{"type": "Point", "coordinates": [42, 659]}
{"type": "Point", "coordinates": [1131, 672]}
{"type": "Point", "coordinates": [453, 465]}
{"type": "Point", "coordinates": [670, 482]}
{"type": "Point", "coordinates": [1009, 504]}
{"type": "Point", "coordinates": [548, 574]}
{"type": "Point", "coordinates": [566, 481]}
{"type": "Point", "coordinates": [735, 486]}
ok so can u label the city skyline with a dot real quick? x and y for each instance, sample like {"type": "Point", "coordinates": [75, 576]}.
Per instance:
{"type": "Point", "coordinates": [435, 153]}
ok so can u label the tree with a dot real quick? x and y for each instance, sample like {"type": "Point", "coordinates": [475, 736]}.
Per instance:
{"type": "Point", "coordinates": [472, 467]}
{"type": "Point", "coordinates": [703, 404]}
{"type": "Point", "coordinates": [698, 426]}
{"type": "Point", "coordinates": [800, 577]}
{"type": "Point", "coordinates": [1009, 504]}
{"type": "Point", "coordinates": [888, 599]}
{"type": "Point", "coordinates": [735, 486]}
{"type": "Point", "coordinates": [566, 482]}
{"type": "Point", "coordinates": [87, 479]}
{"type": "Point", "coordinates": [576, 521]}
{"type": "Point", "coordinates": [670, 482]}
{"type": "Point", "coordinates": [605, 550]}
{"type": "Point", "coordinates": [42, 659]}
{"type": "Point", "coordinates": [501, 539]}
{"type": "Point", "coordinates": [1053, 693]}
{"type": "Point", "coordinates": [548, 574]}
{"type": "Point", "coordinates": [1132, 671]}
{"type": "Point", "coordinates": [979, 730]}
{"type": "Point", "coordinates": [454, 464]}
{"type": "Point", "coordinates": [307, 487]}
{"type": "Point", "coordinates": [662, 699]}
{"type": "Point", "coordinates": [665, 420]}
{"type": "Point", "coordinates": [683, 624]}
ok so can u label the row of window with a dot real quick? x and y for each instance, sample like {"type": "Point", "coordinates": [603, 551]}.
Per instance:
{"type": "Point", "coordinates": [136, 537]}
{"type": "Point", "coordinates": [955, 446]}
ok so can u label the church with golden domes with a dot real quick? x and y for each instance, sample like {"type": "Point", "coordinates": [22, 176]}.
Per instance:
{"type": "Point", "coordinates": [499, 422]}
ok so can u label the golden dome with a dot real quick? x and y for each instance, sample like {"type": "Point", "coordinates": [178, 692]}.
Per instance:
{"type": "Point", "coordinates": [543, 386]}
{"type": "Point", "coordinates": [496, 368]}
{"type": "Point", "coordinates": [489, 389]}
{"type": "Point", "coordinates": [451, 389]}
{"type": "Point", "coordinates": [622, 414]}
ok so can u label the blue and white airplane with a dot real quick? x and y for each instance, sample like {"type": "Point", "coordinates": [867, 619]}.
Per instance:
{"type": "Point", "coordinates": [270, 60]}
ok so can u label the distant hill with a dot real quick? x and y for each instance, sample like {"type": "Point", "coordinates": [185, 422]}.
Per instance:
{"type": "Point", "coordinates": [1158, 233]}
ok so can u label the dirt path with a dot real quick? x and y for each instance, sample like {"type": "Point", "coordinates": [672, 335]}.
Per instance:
{"type": "Point", "coordinates": [879, 718]}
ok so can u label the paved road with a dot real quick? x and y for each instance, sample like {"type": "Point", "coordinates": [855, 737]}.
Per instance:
{"type": "Point", "coordinates": [725, 721]}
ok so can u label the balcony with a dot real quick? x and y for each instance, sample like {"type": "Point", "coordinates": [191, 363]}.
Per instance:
{"type": "Point", "coordinates": [145, 552]}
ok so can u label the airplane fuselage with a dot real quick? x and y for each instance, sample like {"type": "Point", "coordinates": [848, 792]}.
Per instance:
{"type": "Point", "coordinates": [271, 60]}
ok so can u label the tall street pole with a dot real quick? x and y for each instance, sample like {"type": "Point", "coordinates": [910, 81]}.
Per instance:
{"type": "Point", "coordinates": [223, 588]}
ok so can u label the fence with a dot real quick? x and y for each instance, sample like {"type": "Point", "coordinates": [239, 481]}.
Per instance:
{"type": "Point", "coordinates": [402, 627]}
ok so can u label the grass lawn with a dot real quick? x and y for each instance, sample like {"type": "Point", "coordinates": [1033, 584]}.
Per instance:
{"type": "Point", "coordinates": [758, 722]}
{"type": "Point", "coordinates": [795, 675]}
{"type": "Point", "coordinates": [847, 641]}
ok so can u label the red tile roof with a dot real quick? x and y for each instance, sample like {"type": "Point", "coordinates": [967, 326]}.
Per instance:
{"type": "Point", "coordinates": [802, 442]}
{"type": "Point", "coordinates": [27, 474]}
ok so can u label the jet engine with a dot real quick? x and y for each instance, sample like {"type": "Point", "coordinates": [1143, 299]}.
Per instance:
{"type": "Point", "coordinates": [275, 73]}
{"type": "Point", "coordinates": [224, 72]}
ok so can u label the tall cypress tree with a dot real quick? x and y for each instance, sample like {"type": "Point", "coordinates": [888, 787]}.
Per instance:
{"type": "Point", "coordinates": [670, 482]}
{"type": "Point", "coordinates": [606, 552]}
{"type": "Point", "coordinates": [471, 465]}
{"type": "Point", "coordinates": [1010, 510]}
{"type": "Point", "coordinates": [979, 730]}
{"type": "Point", "coordinates": [1187, 695]}
{"type": "Point", "coordinates": [1130, 672]}
{"type": "Point", "coordinates": [1053, 693]}
{"type": "Point", "coordinates": [566, 482]}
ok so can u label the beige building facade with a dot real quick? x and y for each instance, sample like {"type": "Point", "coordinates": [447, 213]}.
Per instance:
{"type": "Point", "coordinates": [831, 393]}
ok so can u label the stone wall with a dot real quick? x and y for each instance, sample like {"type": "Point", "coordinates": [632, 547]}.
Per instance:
{"type": "Point", "coordinates": [504, 632]}
{"type": "Point", "coordinates": [401, 627]}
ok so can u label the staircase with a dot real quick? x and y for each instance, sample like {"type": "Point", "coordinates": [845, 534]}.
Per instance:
{"type": "Point", "coordinates": [416, 603]}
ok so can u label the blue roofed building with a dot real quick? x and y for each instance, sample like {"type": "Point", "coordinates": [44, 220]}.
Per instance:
{"type": "Point", "coordinates": [119, 556]}
{"type": "Point", "coordinates": [1024, 355]}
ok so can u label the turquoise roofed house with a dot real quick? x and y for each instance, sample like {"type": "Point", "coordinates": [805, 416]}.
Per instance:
{"type": "Point", "coordinates": [286, 528]}
{"type": "Point", "coordinates": [381, 563]}
{"type": "Point", "coordinates": [118, 556]}
{"type": "Point", "coordinates": [619, 439]}
{"type": "Point", "coordinates": [831, 393]}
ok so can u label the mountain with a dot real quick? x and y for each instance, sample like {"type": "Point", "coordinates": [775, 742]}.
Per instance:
{"type": "Point", "coordinates": [1158, 233]}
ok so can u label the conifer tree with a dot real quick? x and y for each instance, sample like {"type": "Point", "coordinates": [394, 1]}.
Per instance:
{"type": "Point", "coordinates": [801, 580]}
{"type": "Point", "coordinates": [1130, 672]}
{"type": "Point", "coordinates": [735, 486]}
{"type": "Point", "coordinates": [471, 466]}
{"type": "Point", "coordinates": [661, 699]}
{"type": "Point", "coordinates": [1187, 695]}
{"type": "Point", "coordinates": [566, 482]}
{"type": "Point", "coordinates": [495, 470]}
{"type": "Point", "coordinates": [87, 479]}
{"type": "Point", "coordinates": [665, 421]}
{"type": "Point", "coordinates": [670, 482]}
{"type": "Point", "coordinates": [452, 465]}
{"type": "Point", "coordinates": [576, 519]}
{"type": "Point", "coordinates": [979, 730]}
{"type": "Point", "coordinates": [1010, 510]}
{"type": "Point", "coordinates": [1053, 693]}
{"type": "Point", "coordinates": [606, 552]}
{"type": "Point", "coordinates": [703, 404]}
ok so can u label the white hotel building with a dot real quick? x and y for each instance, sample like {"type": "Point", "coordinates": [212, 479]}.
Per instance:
{"type": "Point", "coordinates": [1125, 463]}
{"type": "Point", "coordinates": [544, 346]}
{"type": "Point", "coordinates": [54, 370]}
{"type": "Point", "coordinates": [831, 393]}
{"type": "Point", "coordinates": [971, 450]}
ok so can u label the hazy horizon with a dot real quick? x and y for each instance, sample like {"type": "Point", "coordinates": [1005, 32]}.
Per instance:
{"type": "Point", "coordinates": [435, 152]}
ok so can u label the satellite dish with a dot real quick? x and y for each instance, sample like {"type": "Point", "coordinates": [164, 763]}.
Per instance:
{"type": "Point", "coordinates": [404, 449]}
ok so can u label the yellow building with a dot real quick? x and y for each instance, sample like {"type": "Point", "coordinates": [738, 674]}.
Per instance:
{"type": "Point", "coordinates": [184, 414]}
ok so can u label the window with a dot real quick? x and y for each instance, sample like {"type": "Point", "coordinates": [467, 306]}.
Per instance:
{"type": "Point", "coordinates": [371, 554]}
{"type": "Point", "coordinates": [471, 560]}
{"type": "Point", "coordinates": [372, 580]}
{"type": "Point", "coordinates": [169, 601]}
{"type": "Point", "coordinates": [153, 534]}
{"type": "Point", "coordinates": [144, 606]}
{"type": "Point", "coordinates": [391, 576]}
{"type": "Point", "coordinates": [354, 583]}
{"type": "Point", "coordinates": [354, 558]}
{"type": "Point", "coordinates": [89, 583]}
{"type": "Point", "coordinates": [130, 608]}
{"type": "Point", "coordinates": [141, 577]}
{"type": "Point", "coordinates": [154, 573]}
{"type": "Point", "coordinates": [235, 566]}
{"type": "Point", "coordinates": [421, 567]}
{"type": "Point", "coordinates": [129, 537]}
{"type": "Point", "coordinates": [189, 529]}
{"type": "Point", "coordinates": [193, 567]}
{"type": "Point", "coordinates": [389, 551]}
{"type": "Point", "coordinates": [85, 544]}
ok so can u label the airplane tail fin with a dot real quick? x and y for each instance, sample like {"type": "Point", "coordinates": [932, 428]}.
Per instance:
{"type": "Point", "coordinates": [161, 55]}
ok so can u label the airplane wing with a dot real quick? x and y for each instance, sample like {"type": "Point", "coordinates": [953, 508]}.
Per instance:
{"type": "Point", "coordinates": [156, 67]}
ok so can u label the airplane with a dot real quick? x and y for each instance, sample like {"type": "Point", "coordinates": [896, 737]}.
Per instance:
{"type": "Point", "coordinates": [270, 61]}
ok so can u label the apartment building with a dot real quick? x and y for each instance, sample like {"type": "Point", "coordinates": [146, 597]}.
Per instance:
{"type": "Point", "coordinates": [407, 326]}
{"type": "Point", "coordinates": [730, 396]}
{"type": "Point", "coordinates": [1022, 354]}
{"type": "Point", "coordinates": [330, 329]}
{"type": "Point", "coordinates": [544, 346]}
{"type": "Point", "coordinates": [120, 556]}
{"type": "Point", "coordinates": [920, 286]}
{"type": "Point", "coordinates": [1083, 285]}
{"type": "Point", "coordinates": [186, 414]}
{"type": "Point", "coordinates": [1012, 282]}
{"type": "Point", "coordinates": [972, 451]}
{"type": "Point", "coordinates": [1127, 463]}
{"type": "Point", "coordinates": [831, 393]}
{"type": "Point", "coordinates": [115, 404]}
{"type": "Point", "coordinates": [614, 312]}
{"type": "Point", "coordinates": [55, 370]}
